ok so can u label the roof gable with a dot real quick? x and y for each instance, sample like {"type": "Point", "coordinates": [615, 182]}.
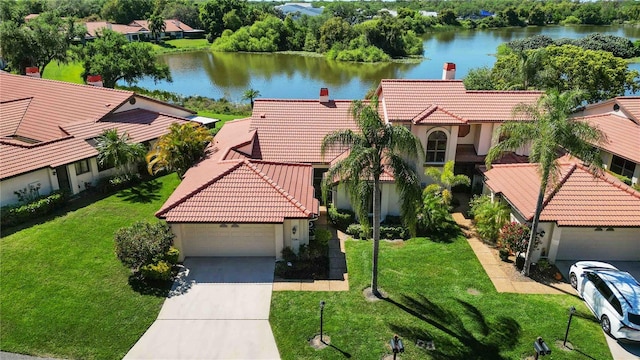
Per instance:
{"type": "Point", "coordinates": [623, 135]}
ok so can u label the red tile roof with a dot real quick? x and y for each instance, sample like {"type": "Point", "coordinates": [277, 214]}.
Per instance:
{"type": "Point", "coordinates": [95, 27]}
{"type": "Point", "coordinates": [630, 105]}
{"type": "Point", "coordinates": [408, 100]}
{"type": "Point", "coordinates": [579, 198]}
{"type": "Point", "coordinates": [292, 130]}
{"type": "Point", "coordinates": [171, 25]}
{"type": "Point", "coordinates": [623, 135]}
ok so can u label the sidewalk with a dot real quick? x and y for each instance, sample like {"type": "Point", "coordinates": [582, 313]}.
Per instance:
{"type": "Point", "coordinates": [499, 278]}
{"type": "Point", "coordinates": [338, 276]}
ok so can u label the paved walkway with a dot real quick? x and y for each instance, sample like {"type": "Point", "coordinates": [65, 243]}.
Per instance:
{"type": "Point", "coordinates": [338, 276]}
{"type": "Point", "coordinates": [501, 281]}
{"type": "Point", "coordinates": [218, 309]}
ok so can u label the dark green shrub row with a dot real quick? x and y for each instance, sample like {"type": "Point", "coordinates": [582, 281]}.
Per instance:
{"type": "Point", "coordinates": [311, 262]}
{"type": "Point", "coordinates": [386, 232]}
{"type": "Point", "coordinates": [117, 182]}
{"type": "Point", "coordinates": [340, 218]}
{"type": "Point", "coordinates": [15, 214]}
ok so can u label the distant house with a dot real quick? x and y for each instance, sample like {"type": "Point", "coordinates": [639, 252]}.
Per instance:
{"type": "Point", "coordinates": [48, 131]}
{"type": "Point", "coordinates": [174, 29]}
{"type": "Point", "coordinates": [584, 216]}
{"type": "Point", "coordinates": [300, 9]}
{"type": "Point", "coordinates": [619, 119]}
{"type": "Point", "coordinates": [133, 33]}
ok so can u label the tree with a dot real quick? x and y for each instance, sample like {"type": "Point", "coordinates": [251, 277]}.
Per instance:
{"type": "Point", "coordinates": [444, 179]}
{"type": "Point", "coordinates": [116, 149]}
{"type": "Point", "coordinates": [182, 147]}
{"type": "Point", "coordinates": [113, 57]}
{"type": "Point", "coordinates": [42, 40]}
{"type": "Point", "coordinates": [377, 147]}
{"type": "Point", "coordinates": [157, 26]}
{"type": "Point", "coordinates": [334, 31]}
{"type": "Point", "coordinates": [250, 94]}
{"type": "Point", "coordinates": [479, 79]}
{"type": "Point", "coordinates": [125, 11]}
{"type": "Point", "coordinates": [549, 133]}
{"type": "Point", "coordinates": [489, 216]}
{"type": "Point", "coordinates": [212, 15]}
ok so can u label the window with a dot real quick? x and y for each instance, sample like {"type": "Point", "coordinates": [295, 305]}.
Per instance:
{"type": "Point", "coordinates": [622, 167]}
{"type": "Point", "coordinates": [82, 167]}
{"type": "Point", "coordinates": [436, 147]}
{"type": "Point", "coordinates": [104, 167]}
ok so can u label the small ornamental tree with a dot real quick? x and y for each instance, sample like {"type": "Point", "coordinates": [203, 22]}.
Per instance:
{"type": "Point", "coordinates": [143, 243]}
{"type": "Point", "coordinates": [515, 237]}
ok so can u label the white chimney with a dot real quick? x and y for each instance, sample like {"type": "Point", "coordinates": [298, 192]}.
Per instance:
{"type": "Point", "coordinates": [449, 71]}
{"type": "Point", "coordinates": [33, 71]}
{"type": "Point", "coordinates": [94, 80]}
{"type": "Point", "coordinates": [324, 95]}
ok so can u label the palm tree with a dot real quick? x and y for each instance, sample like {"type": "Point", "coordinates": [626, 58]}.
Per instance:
{"type": "Point", "coordinates": [117, 150]}
{"type": "Point", "coordinates": [445, 179]}
{"type": "Point", "coordinates": [157, 26]}
{"type": "Point", "coordinates": [250, 94]}
{"type": "Point", "coordinates": [179, 149]}
{"type": "Point", "coordinates": [551, 133]}
{"type": "Point", "coordinates": [375, 148]}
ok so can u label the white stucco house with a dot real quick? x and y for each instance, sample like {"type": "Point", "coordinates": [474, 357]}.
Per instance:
{"type": "Point", "coordinates": [48, 131]}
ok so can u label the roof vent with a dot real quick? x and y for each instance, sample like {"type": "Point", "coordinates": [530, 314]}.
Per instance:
{"type": "Point", "coordinates": [449, 71]}
{"type": "Point", "coordinates": [132, 101]}
{"type": "Point", "coordinates": [324, 95]}
{"type": "Point", "coordinates": [616, 107]}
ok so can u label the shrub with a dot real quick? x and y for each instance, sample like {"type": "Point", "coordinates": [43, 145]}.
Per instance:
{"type": "Point", "coordinates": [489, 216]}
{"type": "Point", "coordinates": [341, 218]}
{"type": "Point", "coordinates": [386, 232]}
{"type": "Point", "coordinates": [512, 236]}
{"type": "Point", "coordinates": [160, 270]}
{"type": "Point", "coordinates": [322, 237]}
{"type": "Point", "coordinates": [15, 214]}
{"type": "Point", "coordinates": [142, 243]}
{"type": "Point", "coordinates": [311, 262]}
{"type": "Point", "coordinates": [113, 183]}
{"type": "Point", "coordinates": [172, 255]}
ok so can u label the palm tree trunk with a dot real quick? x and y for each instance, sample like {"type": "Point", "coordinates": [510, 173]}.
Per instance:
{"type": "Point", "coordinates": [536, 220]}
{"type": "Point", "coordinates": [376, 235]}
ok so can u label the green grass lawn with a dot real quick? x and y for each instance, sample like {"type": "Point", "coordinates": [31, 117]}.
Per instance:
{"type": "Point", "coordinates": [181, 45]}
{"type": "Point", "coordinates": [71, 72]}
{"type": "Point", "coordinates": [63, 291]}
{"type": "Point", "coordinates": [437, 291]}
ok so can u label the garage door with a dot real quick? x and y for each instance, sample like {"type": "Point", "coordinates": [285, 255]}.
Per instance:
{"type": "Point", "coordinates": [587, 244]}
{"type": "Point", "coordinates": [240, 240]}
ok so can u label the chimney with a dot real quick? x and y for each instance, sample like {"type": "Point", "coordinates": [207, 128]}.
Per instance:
{"type": "Point", "coordinates": [324, 95]}
{"type": "Point", "coordinates": [94, 80]}
{"type": "Point", "coordinates": [33, 71]}
{"type": "Point", "coordinates": [449, 71]}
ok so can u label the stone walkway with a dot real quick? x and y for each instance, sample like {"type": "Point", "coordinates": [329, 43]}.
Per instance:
{"type": "Point", "coordinates": [338, 276]}
{"type": "Point", "coordinates": [500, 280]}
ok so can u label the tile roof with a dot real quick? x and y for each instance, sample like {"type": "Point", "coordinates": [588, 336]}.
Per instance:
{"type": "Point", "coordinates": [241, 190]}
{"type": "Point", "coordinates": [95, 27]}
{"type": "Point", "coordinates": [292, 130]}
{"type": "Point", "coordinates": [631, 105]}
{"type": "Point", "coordinates": [54, 104]}
{"type": "Point", "coordinates": [171, 25]}
{"type": "Point", "coordinates": [579, 198]}
{"type": "Point", "coordinates": [623, 135]}
{"type": "Point", "coordinates": [408, 100]}
{"type": "Point", "coordinates": [12, 114]}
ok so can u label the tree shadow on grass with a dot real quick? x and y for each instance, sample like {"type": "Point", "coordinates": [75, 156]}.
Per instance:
{"type": "Point", "coordinates": [145, 192]}
{"type": "Point", "coordinates": [452, 336]}
{"type": "Point", "coordinates": [446, 232]}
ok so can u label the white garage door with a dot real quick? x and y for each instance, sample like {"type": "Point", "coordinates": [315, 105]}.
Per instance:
{"type": "Point", "coordinates": [587, 244]}
{"type": "Point", "coordinates": [214, 240]}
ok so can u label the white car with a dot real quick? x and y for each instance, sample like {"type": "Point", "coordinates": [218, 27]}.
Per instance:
{"type": "Point", "coordinates": [612, 295]}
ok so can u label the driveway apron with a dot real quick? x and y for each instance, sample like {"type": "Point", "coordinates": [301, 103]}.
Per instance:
{"type": "Point", "coordinates": [217, 309]}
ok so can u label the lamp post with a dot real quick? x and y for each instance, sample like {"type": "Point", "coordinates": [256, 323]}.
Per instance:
{"type": "Point", "coordinates": [322, 303]}
{"type": "Point", "coordinates": [572, 310]}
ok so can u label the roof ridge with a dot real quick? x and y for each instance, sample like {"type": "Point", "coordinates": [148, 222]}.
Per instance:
{"type": "Point", "coordinates": [38, 144]}
{"type": "Point", "coordinates": [15, 131]}
{"type": "Point", "coordinates": [300, 100]}
{"type": "Point", "coordinates": [422, 80]}
{"type": "Point", "coordinates": [559, 185]}
{"type": "Point", "coordinates": [612, 181]}
{"type": "Point", "coordinates": [190, 194]}
{"type": "Point", "coordinates": [504, 92]}
{"type": "Point", "coordinates": [70, 83]}
{"type": "Point", "coordinates": [277, 187]}
{"type": "Point", "coordinates": [18, 99]}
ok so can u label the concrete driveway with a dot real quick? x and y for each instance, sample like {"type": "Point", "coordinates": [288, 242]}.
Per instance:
{"type": "Point", "coordinates": [619, 351]}
{"type": "Point", "coordinates": [217, 309]}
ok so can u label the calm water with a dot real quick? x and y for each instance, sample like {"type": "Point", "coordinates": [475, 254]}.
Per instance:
{"type": "Point", "coordinates": [292, 76]}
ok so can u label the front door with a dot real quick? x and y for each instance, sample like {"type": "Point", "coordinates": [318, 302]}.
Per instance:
{"type": "Point", "coordinates": [63, 178]}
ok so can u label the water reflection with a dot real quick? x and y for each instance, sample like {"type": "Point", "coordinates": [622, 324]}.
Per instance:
{"type": "Point", "coordinates": [293, 76]}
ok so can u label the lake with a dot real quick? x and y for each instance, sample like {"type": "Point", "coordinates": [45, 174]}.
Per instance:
{"type": "Point", "coordinates": [289, 76]}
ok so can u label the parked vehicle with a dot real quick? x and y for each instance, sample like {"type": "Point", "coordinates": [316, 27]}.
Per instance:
{"type": "Point", "coordinates": [612, 295]}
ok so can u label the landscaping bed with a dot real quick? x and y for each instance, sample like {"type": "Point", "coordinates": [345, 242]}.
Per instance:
{"type": "Point", "coordinates": [64, 292]}
{"type": "Point", "coordinates": [437, 291]}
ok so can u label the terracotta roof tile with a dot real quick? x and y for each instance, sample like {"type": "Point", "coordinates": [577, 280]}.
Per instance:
{"type": "Point", "coordinates": [404, 100]}
{"type": "Point", "coordinates": [579, 199]}
{"type": "Point", "coordinates": [292, 130]}
{"type": "Point", "coordinates": [55, 104]}
{"type": "Point", "coordinates": [171, 25]}
{"type": "Point", "coordinates": [12, 112]}
{"type": "Point", "coordinates": [631, 105]}
{"type": "Point", "coordinates": [623, 135]}
{"type": "Point", "coordinates": [95, 27]}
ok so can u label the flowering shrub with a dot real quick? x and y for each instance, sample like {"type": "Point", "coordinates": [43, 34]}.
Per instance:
{"type": "Point", "coordinates": [515, 237]}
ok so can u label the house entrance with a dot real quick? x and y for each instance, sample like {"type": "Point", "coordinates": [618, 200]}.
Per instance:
{"type": "Point", "coordinates": [63, 178]}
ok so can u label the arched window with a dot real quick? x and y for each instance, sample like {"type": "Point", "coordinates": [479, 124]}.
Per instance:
{"type": "Point", "coordinates": [436, 147]}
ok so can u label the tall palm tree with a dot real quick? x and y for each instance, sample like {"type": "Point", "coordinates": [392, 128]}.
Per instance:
{"type": "Point", "coordinates": [445, 179]}
{"type": "Point", "coordinates": [375, 148]}
{"type": "Point", "coordinates": [116, 149]}
{"type": "Point", "coordinates": [179, 149]}
{"type": "Point", "coordinates": [250, 94]}
{"type": "Point", "coordinates": [157, 26]}
{"type": "Point", "coordinates": [551, 133]}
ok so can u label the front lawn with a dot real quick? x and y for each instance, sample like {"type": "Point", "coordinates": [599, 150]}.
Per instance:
{"type": "Point", "coordinates": [437, 291]}
{"type": "Point", "coordinates": [63, 291]}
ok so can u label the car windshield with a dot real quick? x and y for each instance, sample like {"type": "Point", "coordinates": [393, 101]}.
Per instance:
{"type": "Point", "coordinates": [634, 318]}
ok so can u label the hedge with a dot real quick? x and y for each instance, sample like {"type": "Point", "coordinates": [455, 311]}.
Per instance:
{"type": "Point", "coordinates": [16, 214]}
